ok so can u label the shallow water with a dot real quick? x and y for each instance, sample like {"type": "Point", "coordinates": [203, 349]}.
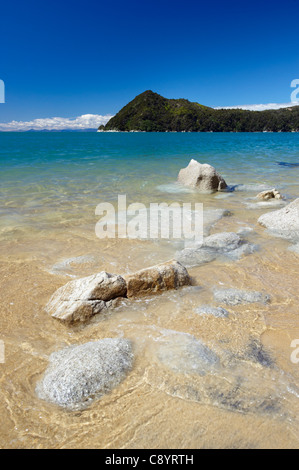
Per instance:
{"type": "Point", "coordinates": [50, 186]}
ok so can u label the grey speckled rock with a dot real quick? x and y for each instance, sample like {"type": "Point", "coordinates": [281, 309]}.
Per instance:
{"type": "Point", "coordinates": [164, 276]}
{"type": "Point", "coordinates": [201, 176]}
{"type": "Point", "coordinates": [283, 222]}
{"type": "Point", "coordinates": [217, 312]}
{"type": "Point", "coordinates": [79, 374]}
{"type": "Point", "coordinates": [225, 241]}
{"type": "Point", "coordinates": [80, 299]}
{"type": "Point", "coordinates": [237, 296]}
{"type": "Point", "coordinates": [227, 244]}
{"type": "Point", "coordinates": [185, 354]}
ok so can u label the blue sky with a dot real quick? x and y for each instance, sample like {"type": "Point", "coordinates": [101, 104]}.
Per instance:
{"type": "Point", "coordinates": [68, 58]}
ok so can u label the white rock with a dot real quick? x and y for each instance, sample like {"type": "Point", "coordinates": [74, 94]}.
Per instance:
{"type": "Point", "coordinates": [283, 222]}
{"type": "Point", "coordinates": [80, 299]}
{"type": "Point", "coordinates": [201, 176]}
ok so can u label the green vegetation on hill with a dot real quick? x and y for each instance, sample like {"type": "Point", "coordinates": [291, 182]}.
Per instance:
{"type": "Point", "coordinates": [151, 112]}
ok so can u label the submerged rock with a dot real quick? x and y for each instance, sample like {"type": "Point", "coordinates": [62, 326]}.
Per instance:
{"type": "Point", "coordinates": [227, 244]}
{"type": "Point", "coordinates": [264, 204]}
{"type": "Point", "coordinates": [201, 176]}
{"type": "Point", "coordinates": [211, 217]}
{"type": "Point", "coordinates": [217, 312]}
{"type": "Point", "coordinates": [256, 352]}
{"type": "Point", "coordinates": [244, 231]}
{"type": "Point", "coordinates": [185, 354]}
{"type": "Point", "coordinates": [164, 276]}
{"type": "Point", "coordinates": [283, 222]}
{"type": "Point", "coordinates": [238, 296]}
{"type": "Point", "coordinates": [82, 298]}
{"type": "Point", "coordinates": [226, 241]}
{"type": "Point", "coordinates": [250, 187]}
{"type": "Point", "coordinates": [77, 375]}
{"type": "Point", "coordinates": [269, 194]}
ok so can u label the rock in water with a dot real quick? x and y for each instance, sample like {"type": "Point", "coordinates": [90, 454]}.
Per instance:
{"type": "Point", "coordinates": [201, 176]}
{"type": "Point", "coordinates": [225, 244]}
{"type": "Point", "coordinates": [238, 296]}
{"type": "Point", "coordinates": [184, 354]}
{"type": "Point", "coordinates": [225, 241]}
{"type": "Point", "coordinates": [269, 194]}
{"type": "Point", "coordinates": [79, 374]}
{"type": "Point", "coordinates": [165, 276]}
{"type": "Point", "coordinates": [82, 298]}
{"type": "Point", "coordinates": [217, 312]}
{"type": "Point", "coordinates": [283, 222]}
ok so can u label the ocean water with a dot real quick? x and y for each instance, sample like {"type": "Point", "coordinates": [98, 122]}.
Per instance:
{"type": "Point", "coordinates": [52, 178]}
{"type": "Point", "coordinates": [50, 185]}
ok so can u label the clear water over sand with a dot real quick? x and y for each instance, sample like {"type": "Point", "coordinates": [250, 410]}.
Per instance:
{"type": "Point", "coordinates": [50, 186]}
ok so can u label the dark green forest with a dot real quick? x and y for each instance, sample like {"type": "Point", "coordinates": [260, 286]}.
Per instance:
{"type": "Point", "coordinates": [151, 112]}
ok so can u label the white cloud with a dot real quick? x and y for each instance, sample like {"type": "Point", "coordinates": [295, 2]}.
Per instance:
{"type": "Point", "coordinates": [261, 107]}
{"type": "Point", "coordinates": [86, 121]}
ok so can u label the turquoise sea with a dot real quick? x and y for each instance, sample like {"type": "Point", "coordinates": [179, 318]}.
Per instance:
{"type": "Point", "coordinates": [45, 174]}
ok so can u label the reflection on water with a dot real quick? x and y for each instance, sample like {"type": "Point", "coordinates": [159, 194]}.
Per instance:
{"type": "Point", "coordinates": [200, 380]}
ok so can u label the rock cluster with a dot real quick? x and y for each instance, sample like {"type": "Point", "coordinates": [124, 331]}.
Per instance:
{"type": "Point", "coordinates": [82, 298]}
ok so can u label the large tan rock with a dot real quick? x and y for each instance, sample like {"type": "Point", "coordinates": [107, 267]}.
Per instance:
{"type": "Point", "coordinates": [82, 298]}
{"type": "Point", "coordinates": [201, 176]}
{"type": "Point", "coordinates": [165, 276]}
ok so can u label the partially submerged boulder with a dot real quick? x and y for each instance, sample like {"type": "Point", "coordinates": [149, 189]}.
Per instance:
{"type": "Point", "coordinates": [269, 194]}
{"type": "Point", "coordinates": [225, 244]}
{"type": "Point", "coordinates": [201, 176]}
{"type": "Point", "coordinates": [164, 276]}
{"type": "Point", "coordinates": [82, 298]}
{"type": "Point", "coordinates": [77, 375]}
{"type": "Point", "coordinates": [283, 222]}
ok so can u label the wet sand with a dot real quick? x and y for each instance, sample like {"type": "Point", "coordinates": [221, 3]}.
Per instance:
{"type": "Point", "coordinates": [243, 404]}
